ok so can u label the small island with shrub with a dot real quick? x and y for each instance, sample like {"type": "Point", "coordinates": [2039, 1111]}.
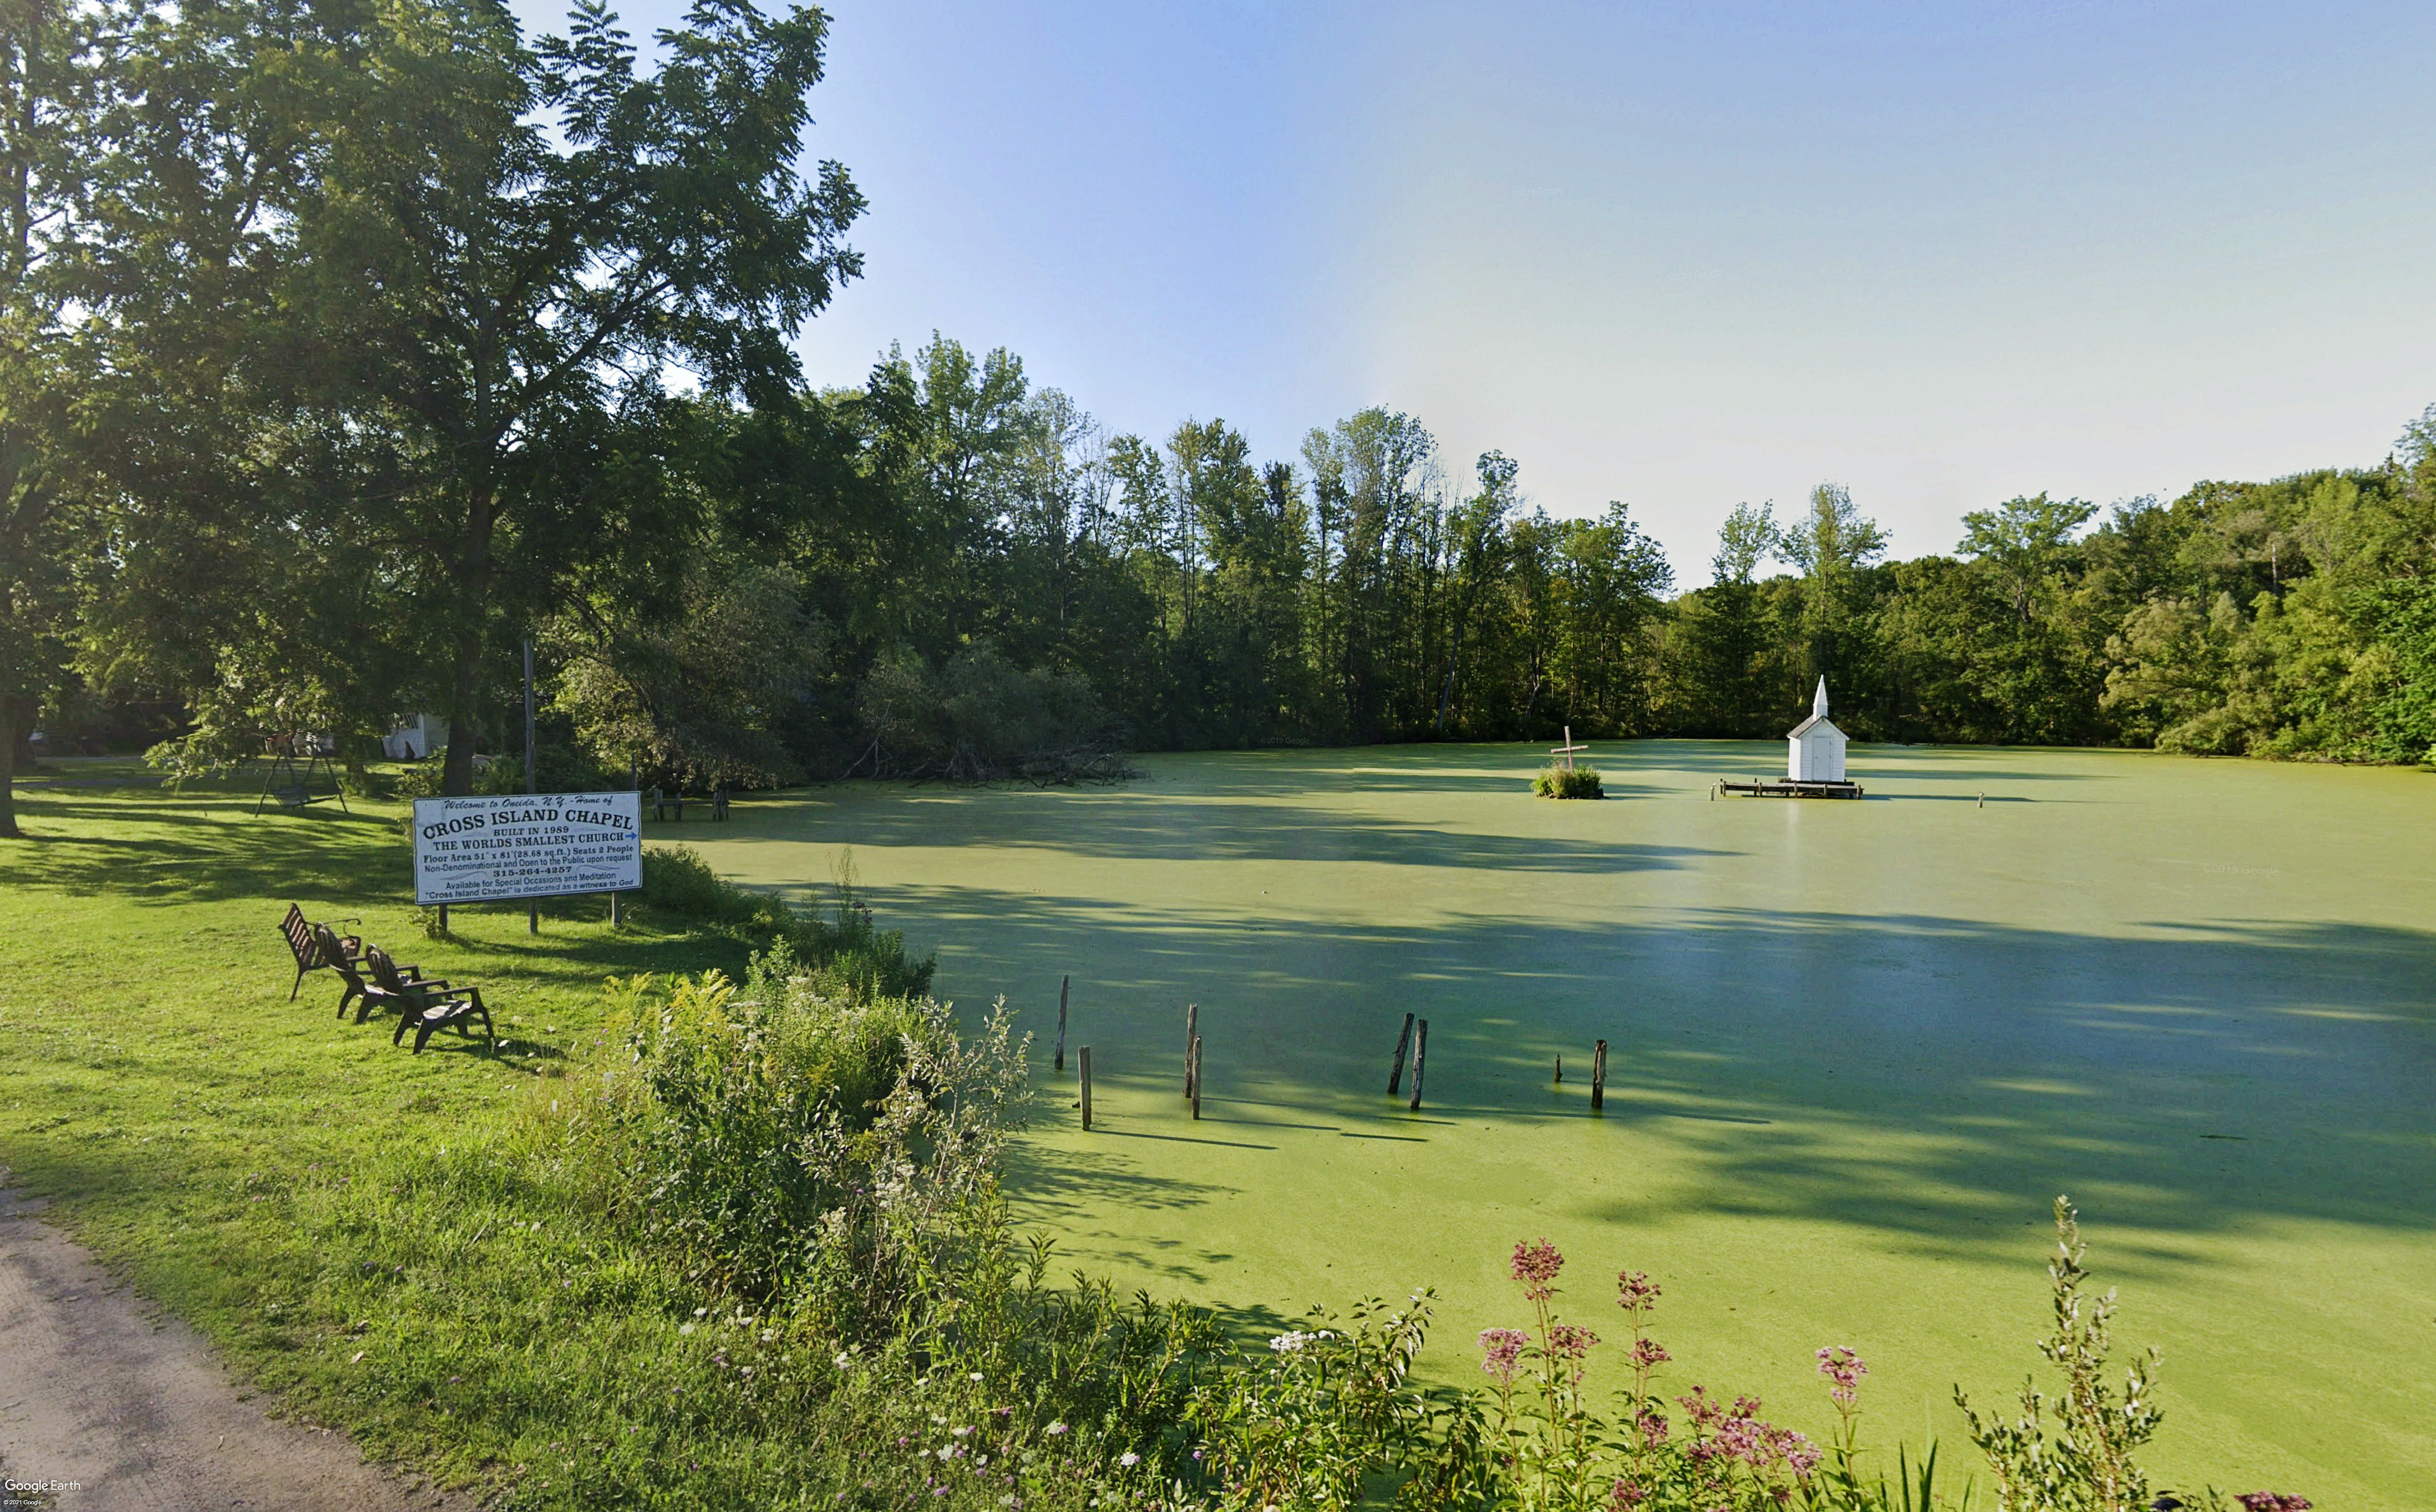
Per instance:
{"type": "Point", "coordinates": [1567, 782]}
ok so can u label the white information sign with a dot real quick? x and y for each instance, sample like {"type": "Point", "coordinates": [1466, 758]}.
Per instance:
{"type": "Point", "coordinates": [531, 846]}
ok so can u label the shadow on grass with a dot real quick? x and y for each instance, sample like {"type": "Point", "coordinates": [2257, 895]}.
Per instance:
{"type": "Point", "coordinates": [166, 848]}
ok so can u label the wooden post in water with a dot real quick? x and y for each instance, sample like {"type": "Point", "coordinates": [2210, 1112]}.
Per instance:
{"type": "Point", "coordinates": [1404, 1040]}
{"type": "Point", "coordinates": [1420, 1047]}
{"type": "Point", "coordinates": [1063, 987]}
{"type": "Point", "coordinates": [1192, 1037]}
{"type": "Point", "coordinates": [1561, 1070]}
{"type": "Point", "coordinates": [1083, 1063]}
{"type": "Point", "coordinates": [1195, 1075]}
{"type": "Point", "coordinates": [1598, 1077]}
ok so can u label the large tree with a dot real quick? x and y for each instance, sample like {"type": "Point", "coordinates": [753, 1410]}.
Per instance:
{"type": "Point", "coordinates": [49, 81]}
{"type": "Point", "coordinates": [1371, 473]}
{"type": "Point", "coordinates": [1477, 557]}
{"type": "Point", "coordinates": [510, 246]}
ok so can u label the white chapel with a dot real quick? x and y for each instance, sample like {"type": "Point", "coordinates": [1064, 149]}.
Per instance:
{"type": "Point", "coordinates": [1815, 748]}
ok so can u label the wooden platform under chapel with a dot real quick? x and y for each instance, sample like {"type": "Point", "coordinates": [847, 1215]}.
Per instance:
{"type": "Point", "coordinates": [1792, 790]}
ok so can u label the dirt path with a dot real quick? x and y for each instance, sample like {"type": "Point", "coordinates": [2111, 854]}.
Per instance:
{"type": "Point", "coordinates": [128, 1411]}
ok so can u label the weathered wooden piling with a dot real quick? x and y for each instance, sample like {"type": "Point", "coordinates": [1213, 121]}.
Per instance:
{"type": "Point", "coordinates": [1065, 986]}
{"type": "Point", "coordinates": [1194, 1073]}
{"type": "Point", "coordinates": [1083, 1064]}
{"type": "Point", "coordinates": [1404, 1040]}
{"type": "Point", "coordinates": [1420, 1047]}
{"type": "Point", "coordinates": [1598, 1077]}
{"type": "Point", "coordinates": [1192, 1037]}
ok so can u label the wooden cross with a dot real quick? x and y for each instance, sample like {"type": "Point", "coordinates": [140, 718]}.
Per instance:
{"type": "Point", "coordinates": [1569, 749]}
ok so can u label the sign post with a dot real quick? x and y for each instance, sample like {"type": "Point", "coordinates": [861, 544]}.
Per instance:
{"type": "Point", "coordinates": [532, 778]}
{"type": "Point", "coordinates": [469, 850]}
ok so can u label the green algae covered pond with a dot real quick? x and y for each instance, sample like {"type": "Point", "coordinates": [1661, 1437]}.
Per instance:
{"type": "Point", "coordinates": [1855, 1050]}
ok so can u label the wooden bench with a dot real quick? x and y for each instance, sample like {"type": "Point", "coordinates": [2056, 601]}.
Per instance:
{"type": "Point", "coordinates": [310, 951]}
{"type": "Point", "coordinates": [424, 1003]}
{"type": "Point", "coordinates": [663, 802]}
{"type": "Point", "coordinates": [366, 981]}
{"type": "Point", "coordinates": [350, 968]}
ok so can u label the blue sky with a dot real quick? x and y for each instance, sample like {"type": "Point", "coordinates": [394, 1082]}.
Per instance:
{"type": "Point", "coordinates": [1681, 255]}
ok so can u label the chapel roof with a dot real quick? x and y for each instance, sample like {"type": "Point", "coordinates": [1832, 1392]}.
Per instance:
{"type": "Point", "coordinates": [1811, 723]}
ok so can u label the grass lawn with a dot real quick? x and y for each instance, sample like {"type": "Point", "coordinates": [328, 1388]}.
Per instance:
{"type": "Point", "coordinates": [1857, 1048]}
{"type": "Point", "coordinates": [334, 1212]}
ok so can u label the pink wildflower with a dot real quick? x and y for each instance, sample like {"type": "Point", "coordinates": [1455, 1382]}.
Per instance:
{"type": "Point", "coordinates": [1648, 1354]}
{"type": "Point", "coordinates": [1625, 1496]}
{"type": "Point", "coordinates": [1705, 1410]}
{"type": "Point", "coordinates": [1569, 1342]}
{"type": "Point", "coordinates": [1652, 1424]}
{"type": "Point", "coordinates": [1634, 1291]}
{"type": "Point", "coordinates": [2272, 1501]}
{"type": "Point", "coordinates": [1744, 1440]}
{"type": "Point", "coordinates": [1536, 1267]}
{"type": "Point", "coordinates": [1763, 1445]}
{"type": "Point", "coordinates": [1503, 1349]}
{"type": "Point", "coordinates": [1845, 1369]}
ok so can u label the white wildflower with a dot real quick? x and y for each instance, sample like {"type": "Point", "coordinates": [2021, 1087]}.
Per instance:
{"type": "Point", "coordinates": [1129, 1459]}
{"type": "Point", "coordinates": [1294, 1339]}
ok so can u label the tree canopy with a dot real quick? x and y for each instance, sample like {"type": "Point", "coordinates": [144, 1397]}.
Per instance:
{"type": "Point", "coordinates": [344, 346]}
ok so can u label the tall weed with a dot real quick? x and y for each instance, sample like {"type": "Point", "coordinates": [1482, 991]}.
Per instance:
{"type": "Point", "coordinates": [846, 950]}
{"type": "Point", "coordinates": [740, 1121]}
{"type": "Point", "coordinates": [2084, 1463]}
{"type": "Point", "coordinates": [1567, 782]}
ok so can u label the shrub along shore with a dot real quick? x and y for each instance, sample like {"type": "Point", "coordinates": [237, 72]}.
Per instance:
{"type": "Point", "coordinates": [726, 1231]}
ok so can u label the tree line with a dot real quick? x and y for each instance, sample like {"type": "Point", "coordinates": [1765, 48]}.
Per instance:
{"type": "Point", "coordinates": [990, 565]}
{"type": "Point", "coordinates": [344, 347]}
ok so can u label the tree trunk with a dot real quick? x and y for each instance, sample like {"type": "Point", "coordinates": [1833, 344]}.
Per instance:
{"type": "Point", "coordinates": [456, 764]}
{"type": "Point", "coordinates": [8, 673]}
{"type": "Point", "coordinates": [8, 769]}
{"type": "Point", "coordinates": [466, 664]}
{"type": "Point", "coordinates": [1446, 694]}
